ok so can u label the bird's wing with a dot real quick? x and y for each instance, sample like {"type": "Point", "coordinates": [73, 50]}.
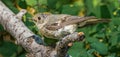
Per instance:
{"type": "Point", "coordinates": [68, 20]}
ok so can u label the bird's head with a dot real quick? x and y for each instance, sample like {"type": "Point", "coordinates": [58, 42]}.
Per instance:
{"type": "Point", "coordinates": [40, 18]}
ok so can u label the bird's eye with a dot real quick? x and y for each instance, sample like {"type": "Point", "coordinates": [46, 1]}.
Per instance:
{"type": "Point", "coordinates": [39, 18]}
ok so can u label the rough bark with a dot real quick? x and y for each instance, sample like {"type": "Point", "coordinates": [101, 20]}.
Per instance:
{"type": "Point", "coordinates": [24, 37]}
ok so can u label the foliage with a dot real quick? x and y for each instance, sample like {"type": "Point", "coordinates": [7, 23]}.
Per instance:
{"type": "Point", "coordinates": [102, 40]}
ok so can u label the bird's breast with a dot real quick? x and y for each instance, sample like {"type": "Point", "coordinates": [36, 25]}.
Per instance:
{"type": "Point", "coordinates": [69, 28]}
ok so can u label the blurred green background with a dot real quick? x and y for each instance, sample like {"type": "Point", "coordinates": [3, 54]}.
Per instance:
{"type": "Point", "coordinates": [102, 40]}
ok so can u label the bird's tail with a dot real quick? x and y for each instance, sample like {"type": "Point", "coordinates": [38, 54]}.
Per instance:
{"type": "Point", "coordinates": [92, 21]}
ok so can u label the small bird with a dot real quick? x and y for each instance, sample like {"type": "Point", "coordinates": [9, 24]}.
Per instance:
{"type": "Point", "coordinates": [57, 26]}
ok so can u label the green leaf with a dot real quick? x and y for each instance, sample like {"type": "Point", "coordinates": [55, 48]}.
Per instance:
{"type": "Point", "coordinates": [116, 3]}
{"type": "Point", "coordinates": [77, 50]}
{"type": "Point", "coordinates": [116, 21]}
{"type": "Point", "coordinates": [92, 40]}
{"type": "Point", "coordinates": [96, 3]}
{"type": "Point", "coordinates": [79, 2]}
{"type": "Point", "coordinates": [42, 9]}
{"type": "Point", "coordinates": [83, 53]}
{"type": "Point", "coordinates": [89, 5]}
{"type": "Point", "coordinates": [99, 35]}
{"type": "Point", "coordinates": [8, 49]}
{"type": "Point", "coordinates": [114, 39]}
{"type": "Point", "coordinates": [105, 12]}
{"type": "Point", "coordinates": [93, 7]}
{"type": "Point", "coordinates": [100, 47]}
{"type": "Point", "coordinates": [70, 9]}
{"type": "Point", "coordinates": [43, 2]}
{"type": "Point", "coordinates": [22, 4]}
{"type": "Point", "coordinates": [52, 3]}
{"type": "Point", "coordinates": [31, 2]}
{"type": "Point", "coordinates": [118, 38]}
{"type": "Point", "coordinates": [111, 55]}
{"type": "Point", "coordinates": [90, 52]}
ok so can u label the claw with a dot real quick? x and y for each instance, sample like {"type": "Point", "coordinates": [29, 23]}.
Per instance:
{"type": "Point", "coordinates": [80, 33]}
{"type": "Point", "coordinates": [82, 36]}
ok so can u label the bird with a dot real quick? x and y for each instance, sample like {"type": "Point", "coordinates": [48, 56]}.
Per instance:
{"type": "Point", "coordinates": [57, 26]}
